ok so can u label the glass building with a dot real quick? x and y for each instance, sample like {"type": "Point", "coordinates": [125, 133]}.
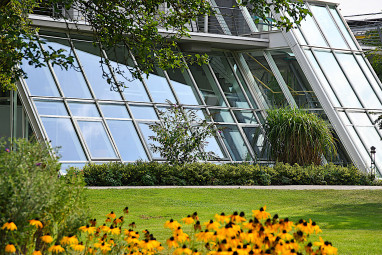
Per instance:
{"type": "Point", "coordinates": [253, 66]}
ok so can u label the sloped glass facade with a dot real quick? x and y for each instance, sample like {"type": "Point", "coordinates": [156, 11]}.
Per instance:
{"type": "Point", "coordinates": [318, 67]}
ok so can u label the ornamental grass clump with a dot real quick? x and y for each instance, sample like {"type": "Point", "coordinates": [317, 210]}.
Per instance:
{"type": "Point", "coordinates": [298, 137]}
{"type": "Point", "coordinates": [231, 234]}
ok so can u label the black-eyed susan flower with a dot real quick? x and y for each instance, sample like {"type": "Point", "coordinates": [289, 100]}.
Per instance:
{"type": "Point", "coordinates": [36, 222]}
{"type": "Point", "coordinates": [36, 252]}
{"type": "Point", "coordinates": [87, 229]}
{"type": "Point", "coordinates": [261, 214]}
{"type": "Point", "coordinates": [197, 226]}
{"type": "Point", "coordinates": [10, 248]}
{"type": "Point", "coordinates": [188, 220]}
{"type": "Point", "coordinates": [172, 224]}
{"type": "Point", "coordinates": [9, 226]}
{"type": "Point", "coordinates": [126, 210]}
{"type": "Point", "coordinates": [78, 247]}
{"type": "Point", "coordinates": [119, 220]}
{"type": "Point", "coordinates": [69, 240]}
{"type": "Point", "coordinates": [105, 248]}
{"type": "Point", "coordinates": [111, 215]}
{"type": "Point", "coordinates": [172, 243]}
{"type": "Point", "coordinates": [46, 238]}
{"type": "Point", "coordinates": [114, 230]}
{"type": "Point", "coordinates": [183, 250]}
{"type": "Point", "coordinates": [222, 218]}
{"type": "Point", "coordinates": [57, 248]}
{"type": "Point", "coordinates": [132, 225]}
{"type": "Point", "coordinates": [211, 225]}
{"type": "Point", "coordinates": [195, 216]}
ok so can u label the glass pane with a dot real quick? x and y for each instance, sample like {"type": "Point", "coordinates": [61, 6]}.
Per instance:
{"type": "Point", "coordinates": [65, 166]}
{"type": "Point", "coordinates": [370, 137]}
{"type": "Point", "coordinates": [299, 36]}
{"type": "Point", "coordinates": [159, 88]}
{"type": "Point", "coordinates": [83, 109]}
{"type": "Point", "coordinates": [227, 81]}
{"type": "Point", "coordinates": [89, 57]}
{"type": "Point", "coordinates": [235, 144]}
{"type": "Point", "coordinates": [221, 116]}
{"type": "Point", "coordinates": [328, 27]}
{"type": "Point", "coordinates": [127, 140]}
{"type": "Point", "coordinates": [264, 79]}
{"type": "Point", "coordinates": [183, 87]}
{"type": "Point", "coordinates": [61, 134]}
{"type": "Point", "coordinates": [114, 111]}
{"type": "Point", "coordinates": [207, 85]}
{"type": "Point", "coordinates": [96, 139]}
{"type": "Point", "coordinates": [358, 80]}
{"type": "Point", "coordinates": [343, 28]}
{"type": "Point", "coordinates": [51, 108]}
{"type": "Point", "coordinates": [311, 32]}
{"type": "Point", "coordinates": [337, 79]}
{"type": "Point", "coordinates": [40, 81]}
{"type": "Point", "coordinates": [147, 132]}
{"type": "Point", "coordinates": [214, 146]}
{"type": "Point", "coordinates": [359, 119]}
{"type": "Point", "coordinates": [357, 141]}
{"type": "Point", "coordinates": [72, 81]}
{"type": "Point", "coordinates": [322, 79]}
{"type": "Point", "coordinates": [143, 112]}
{"type": "Point", "coordinates": [245, 117]}
{"type": "Point", "coordinates": [257, 140]}
{"type": "Point", "coordinates": [369, 75]}
{"type": "Point", "coordinates": [344, 118]}
{"type": "Point", "coordinates": [295, 79]}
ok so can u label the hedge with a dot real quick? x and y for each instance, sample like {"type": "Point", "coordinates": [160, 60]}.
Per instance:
{"type": "Point", "coordinates": [201, 174]}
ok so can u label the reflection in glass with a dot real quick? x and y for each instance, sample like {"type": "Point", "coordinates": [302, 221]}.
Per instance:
{"type": "Point", "coordinates": [370, 137]}
{"type": "Point", "coordinates": [369, 75]}
{"type": "Point", "coordinates": [158, 87]}
{"type": "Point", "coordinates": [83, 109]}
{"type": "Point", "coordinates": [40, 81]}
{"type": "Point", "coordinates": [183, 87]}
{"type": "Point", "coordinates": [147, 132]}
{"type": "Point", "coordinates": [256, 140]}
{"type": "Point", "coordinates": [207, 85]}
{"type": "Point", "coordinates": [311, 32]}
{"type": "Point", "coordinates": [245, 117]}
{"type": "Point", "coordinates": [342, 27]}
{"type": "Point", "coordinates": [221, 116]}
{"type": "Point", "coordinates": [114, 111]}
{"type": "Point", "coordinates": [337, 79]}
{"type": "Point", "coordinates": [235, 144]}
{"type": "Point", "coordinates": [51, 108]}
{"type": "Point", "coordinates": [328, 27]}
{"type": "Point", "coordinates": [127, 140]}
{"type": "Point", "coordinates": [65, 166]}
{"type": "Point", "coordinates": [358, 80]}
{"type": "Point", "coordinates": [96, 139]}
{"type": "Point", "coordinates": [322, 79]}
{"type": "Point", "coordinates": [61, 133]}
{"type": "Point", "coordinates": [264, 79]}
{"type": "Point", "coordinates": [214, 146]}
{"type": "Point", "coordinates": [143, 112]}
{"type": "Point", "coordinates": [358, 144]}
{"type": "Point", "coordinates": [227, 81]}
{"type": "Point", "coordinates": [359, 119]}
{"type": "Point", "coordinates": [295, 79]}
{"type": "Point", "coordinates": [89, 57]}
{"type": "Point", "coordinates": [72, 81]}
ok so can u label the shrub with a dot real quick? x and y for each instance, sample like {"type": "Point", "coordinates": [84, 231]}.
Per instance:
{"type": "Point", "coordinates": [154, 173]}
{"type": "Point", "coordinates": [297, 136]}
{"type": "Point", "coordinates": [30, 188]}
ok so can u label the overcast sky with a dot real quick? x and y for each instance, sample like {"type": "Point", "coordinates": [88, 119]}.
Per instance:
{"type": "Point", "coordinates": [351, 7]}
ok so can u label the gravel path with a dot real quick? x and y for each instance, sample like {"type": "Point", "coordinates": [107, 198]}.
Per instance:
{"type": "Point", "coordinates": [286, 187]}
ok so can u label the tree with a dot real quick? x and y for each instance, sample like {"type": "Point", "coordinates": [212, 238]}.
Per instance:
{"type": "Point", "coordinates": [297, 136]}
{"type": "Point", "coordinates": [181, 136]}
{"type": "Point", "coordinates": [134, 24]}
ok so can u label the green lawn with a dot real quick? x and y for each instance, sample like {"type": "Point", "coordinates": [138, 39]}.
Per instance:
{"type": "Point", "coordinates": [351, 220]}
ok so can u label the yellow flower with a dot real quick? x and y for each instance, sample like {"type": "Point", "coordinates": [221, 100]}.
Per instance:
{"type": "Point", "coordinates": [172, 243]}
{"type": "Point", "coordinates": [78, 247]}
{"type": "Point", "coordinates": [261, 214]}
{"type": "Point", "coordinates": [235, 217]}
{"type": "Point", "coordinates": [68, 240]}
{"type": "Point", "coordinates": [172, 224]}
{"type": "Point", "coordinates": [10, 248]}
{"type": "Point", "coordinates": [222, 218]}
{"type": "Point", "coordinates": [114, 231]}
{"type": "Point", "coordinates": [183, 250]}
{"type": "Point", "coordinates": [36, 252]}
{"type": "Point", "coordinates": [57, 248]}
{"type": "Point", "coordinates": [87, 229]}
{"type": "Point", "coordinates": [188, 220]}
{"type": "Point", "coordinates": [9, 226]}
{"type": "Point", "coordinates": [36, 223]}
{"type": "Point", "coordinates": [212, 225]}
{"type": "Point", "coordinates": [47, 239]}
{"type": "Point", "coordinates": [111, 215]}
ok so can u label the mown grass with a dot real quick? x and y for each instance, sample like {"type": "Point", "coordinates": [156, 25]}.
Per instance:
{"type": "Point", "coordinates": [351, 220]}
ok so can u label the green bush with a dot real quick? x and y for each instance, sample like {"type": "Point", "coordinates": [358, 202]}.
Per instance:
{"type": "Point", "coordinates": [200, 174]}
{"type": "Point", "coordinates": [30, 187]}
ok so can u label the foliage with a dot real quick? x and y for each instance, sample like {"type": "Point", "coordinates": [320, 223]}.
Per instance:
{"type": "Point", "coordinates": [225, 234]}
{"type": "Point", "coordinates": [297, 136]}
{"type": "Point", "coordinates": [30, 188]}
{"type": "Point", "coordinates": [201, 174]}
{"type": "Point", "coordinates": [146, 29]}
{"type": "Point", "coordinates": [180, 136]}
